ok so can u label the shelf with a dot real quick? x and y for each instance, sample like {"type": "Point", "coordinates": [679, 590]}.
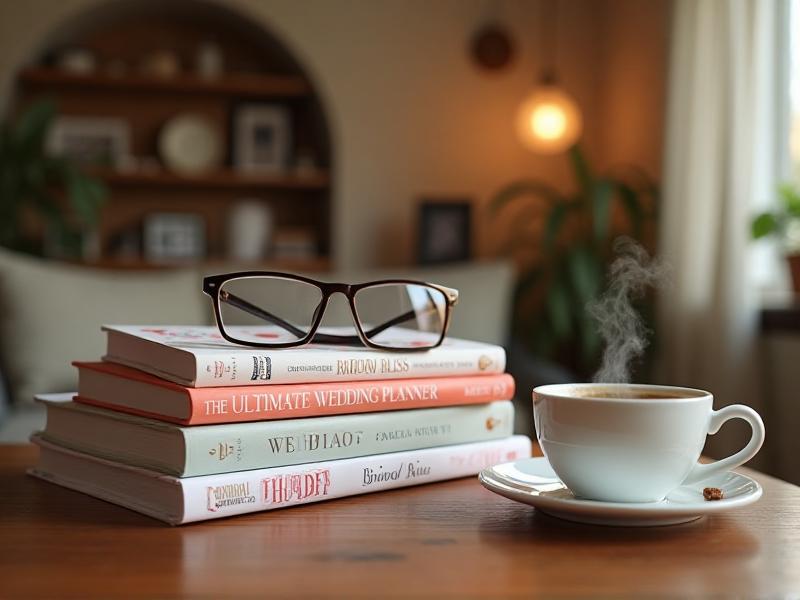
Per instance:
{"type": "Point", "coordinates": [317, 264]}
{"type": "Point", "coordinates": [221, 179]}
{"type": "Point", "coordinates": [250, 85]}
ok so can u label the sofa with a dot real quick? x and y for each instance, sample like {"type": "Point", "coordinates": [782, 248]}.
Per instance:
{"type": "Point", "coordinates": [51, 313]}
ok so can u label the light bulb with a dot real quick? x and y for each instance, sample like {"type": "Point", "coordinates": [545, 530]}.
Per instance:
{"type": "Point", "coordinates": [549, 121]}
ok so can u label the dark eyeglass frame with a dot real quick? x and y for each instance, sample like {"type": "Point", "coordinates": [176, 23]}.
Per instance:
{"type": "Point", "coordinates": [212, 286]}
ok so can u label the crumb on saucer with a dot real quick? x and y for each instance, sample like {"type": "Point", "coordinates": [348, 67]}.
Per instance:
{"type": "Point", "coordinates": [712, 493]}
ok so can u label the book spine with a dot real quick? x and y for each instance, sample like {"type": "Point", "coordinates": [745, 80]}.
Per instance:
{"type": "Point", "coordinates": [227, 448]}
{"type": "Point", "coordinates": [216, 496]}
{"type": "Point", "coordinates": [265, 368]}
{"type": "Point", "coordinates": [222, 405]}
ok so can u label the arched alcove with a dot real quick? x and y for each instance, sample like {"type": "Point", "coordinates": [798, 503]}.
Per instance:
{"type": "Point", "coordinates": [136, 62]}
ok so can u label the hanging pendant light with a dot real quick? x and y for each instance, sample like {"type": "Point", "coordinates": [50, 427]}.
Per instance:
{"type": "Point", "coordinates": [548, 120]}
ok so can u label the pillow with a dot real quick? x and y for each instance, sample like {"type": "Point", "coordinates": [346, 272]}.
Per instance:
{"type": "Point", "coordinates": [51, 313]}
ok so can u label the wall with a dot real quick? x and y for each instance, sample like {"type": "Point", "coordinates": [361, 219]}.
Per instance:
{"type": "Point", "coordinates": [413, 117]}
{"type": "Point", "coordinates": [634, 62]}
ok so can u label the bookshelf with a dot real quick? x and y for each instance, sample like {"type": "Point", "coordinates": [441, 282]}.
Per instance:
{"type": "Point", "coordinates": [217, 179]}
{"type": "Point", "coordinates": [309, 265]}
{"type": "Point", "coordinates": [258, 70]}
{"type": "Point", "coordinates": [241, 85]}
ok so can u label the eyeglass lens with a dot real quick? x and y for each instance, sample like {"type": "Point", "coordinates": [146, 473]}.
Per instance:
{"type": "Point", "coordinates": [274, 310]}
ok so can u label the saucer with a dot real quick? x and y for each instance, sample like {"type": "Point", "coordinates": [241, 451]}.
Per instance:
{"type": "Point", "coordinates": [532, 481]}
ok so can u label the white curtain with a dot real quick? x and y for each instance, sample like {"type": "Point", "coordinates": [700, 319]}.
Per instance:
{"type": "Point", "coordinates": [723, 157]}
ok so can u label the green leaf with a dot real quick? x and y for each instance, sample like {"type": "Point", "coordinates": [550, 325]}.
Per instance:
{"type": "Point", "coordinates": [632, 206]}
{"type": "Point", "coordinates": [523, 190]}
{"type": "Point", "coordinates": [764, 224]}
{"type": "Point", "coordinates": [86, 197]}
{"type": "Point", "coordinates": [586, 275]}
{"type": "Point", "coordinates": [790, 197]}
{"type": "Point", "coordinates": [558, 310]}
{"type": "Point", "coordinates": [590, 342]}
{"type": "Point", "coordinates": [602, 193]}
{"type": "Point", "coordinates": [30, 130]}
{"type": "Point", "coordinates": [580, 167]}
{"type": "Point", "coordinates": [553, 225]}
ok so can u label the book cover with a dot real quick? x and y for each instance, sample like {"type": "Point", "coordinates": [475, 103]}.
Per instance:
{"type": "Point", "coordinates": [199, 357]}
{"type": "Point", "coordinates": [177, 501]}
{"type": "Point", "coordinates": [211, 449]}
{"type": "Point", "coordinates": [109, 385]}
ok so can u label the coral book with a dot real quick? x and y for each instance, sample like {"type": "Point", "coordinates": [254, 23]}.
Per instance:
{"type": "Point", "coordinates": [114, 386]}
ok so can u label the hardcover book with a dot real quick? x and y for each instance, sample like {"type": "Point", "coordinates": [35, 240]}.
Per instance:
{"type": "Point", "coordinates": [109, 385]}
{"type": "Point", "coordinates": [178, 501]}
{"type": "Point", "coordinates": [200, 357]}
{"type": "Point", "coordinates": [210, 449]}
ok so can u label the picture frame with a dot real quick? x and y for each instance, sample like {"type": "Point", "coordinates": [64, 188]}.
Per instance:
{"type": "Point", "coordinates": [444, 231]}
{"type": "Point", "coordinates": [174, 237]}
{"type": "Point", "coordinates": [261, 138]}
{"type": "Point", "coordinates": [90, 141]}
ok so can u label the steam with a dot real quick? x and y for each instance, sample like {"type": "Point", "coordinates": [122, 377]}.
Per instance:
{"type": "Point", "coordinates": [620, 326]}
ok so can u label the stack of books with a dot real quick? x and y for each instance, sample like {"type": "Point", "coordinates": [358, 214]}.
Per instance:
{"type": "Point", "coordinates": [178, 424]}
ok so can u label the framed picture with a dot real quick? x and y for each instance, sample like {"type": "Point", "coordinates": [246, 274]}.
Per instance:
{"type": "Point", "coordinates": [444, 231]}
{"type": "Point", "coordinates": [262, 138]}
{"type": "Point", "coordinates": [174, 236]}
{"type": "Point", "coordinates": [90, 141]}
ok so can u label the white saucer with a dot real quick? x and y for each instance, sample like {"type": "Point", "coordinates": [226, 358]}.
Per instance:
{"type": "Point", "coordinates": [532, 481]}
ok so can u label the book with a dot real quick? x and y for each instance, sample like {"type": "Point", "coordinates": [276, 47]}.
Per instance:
{"type": "Point", "coordinates": [210, 449]}
{"type": "Point", "coordinates": [109, 385]}
{"type": "Point", "coordinates": [200, 357]}
{"type": "Point", "coordinates": [177, 501]}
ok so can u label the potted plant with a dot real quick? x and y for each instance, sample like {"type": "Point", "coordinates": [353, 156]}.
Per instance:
{"type": "Point", "coordinates": [33, 183]}
{"type": "Point", "coordinates": [573, 251]}
{"type": "Point", "coordinates": [783, 223]}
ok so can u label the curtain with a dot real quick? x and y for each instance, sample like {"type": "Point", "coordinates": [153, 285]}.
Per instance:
{"type": "Point", "coordinates": [723, 157]}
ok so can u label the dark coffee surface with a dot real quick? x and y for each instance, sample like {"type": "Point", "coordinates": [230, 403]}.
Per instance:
{"type": "Point", "coordinates": [632, 394]}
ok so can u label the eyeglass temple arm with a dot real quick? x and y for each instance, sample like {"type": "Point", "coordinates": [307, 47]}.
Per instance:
{"type": "Point", "coordinates": [330, 338]}
{"type": "Point", "coordinates": [254, 310]}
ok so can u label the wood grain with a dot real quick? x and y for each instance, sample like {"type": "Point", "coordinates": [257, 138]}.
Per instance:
{"type": "Point", "coordinates": [447, 540]}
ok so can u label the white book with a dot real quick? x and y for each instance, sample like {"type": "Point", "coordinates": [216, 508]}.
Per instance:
{"type": "Point", "coordinates": [199, 357]}
{"type": "Point", "coordinates": [210, 449]}
{"type": "Point", "coordinates": [179, 501]}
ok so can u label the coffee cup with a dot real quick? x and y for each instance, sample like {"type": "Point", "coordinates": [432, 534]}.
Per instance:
{"type": "Point", "coordinates": [631, 442]}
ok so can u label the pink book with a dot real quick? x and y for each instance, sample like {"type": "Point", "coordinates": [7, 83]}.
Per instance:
{"type": "Point", "coordinates": [183, 500]}
{"type": "Point", "coordinates": [128, 390]}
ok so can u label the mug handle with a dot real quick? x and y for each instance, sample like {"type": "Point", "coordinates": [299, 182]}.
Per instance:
{"type": "Point", "coordinates": [735, 411]}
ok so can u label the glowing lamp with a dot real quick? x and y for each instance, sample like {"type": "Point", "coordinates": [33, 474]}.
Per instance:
{"type": "Point", "coordinates": [549, 121]}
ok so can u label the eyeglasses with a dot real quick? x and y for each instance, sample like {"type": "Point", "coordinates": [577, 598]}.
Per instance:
{"type": "Point", "coordinates": [266, 309]}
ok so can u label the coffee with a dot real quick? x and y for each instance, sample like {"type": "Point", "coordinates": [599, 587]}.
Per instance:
{"type": "Point", "coordinates": [630, 394]}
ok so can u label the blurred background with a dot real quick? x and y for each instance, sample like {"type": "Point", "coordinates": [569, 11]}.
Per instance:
{"type": "Point", "coordinates": [496, 146]}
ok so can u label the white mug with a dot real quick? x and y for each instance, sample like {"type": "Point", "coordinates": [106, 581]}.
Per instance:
{"type": "Point", "coordinates": [620, 443]}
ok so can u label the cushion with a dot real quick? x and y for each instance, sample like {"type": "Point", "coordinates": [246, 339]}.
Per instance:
{"type": "Point", "coordinates": [51, 313]}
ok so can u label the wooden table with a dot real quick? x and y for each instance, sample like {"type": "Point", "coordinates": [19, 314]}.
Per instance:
{"type": "Point", "coordinates": [451, 540]}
